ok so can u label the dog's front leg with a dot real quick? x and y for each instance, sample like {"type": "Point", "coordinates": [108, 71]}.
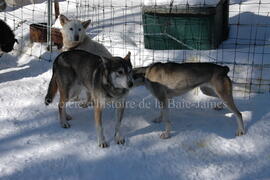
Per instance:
{"type": "Point", "coordinates": [119, 116]}
{"type": "Point", "coordinates": [165, 118]}
{"type": "Point", "coordinates": [98, 118]}
{"type": "Point", "coordinates": [63, 116]}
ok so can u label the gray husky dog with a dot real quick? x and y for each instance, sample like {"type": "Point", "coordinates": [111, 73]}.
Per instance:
{"type": "Point", "coordinates": [166, 80]}
{"type": "Point", "coordinates": [104, 80]}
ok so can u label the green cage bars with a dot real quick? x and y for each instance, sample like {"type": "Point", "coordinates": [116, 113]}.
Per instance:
{"type": "Point", "coordinates": [185, 27]}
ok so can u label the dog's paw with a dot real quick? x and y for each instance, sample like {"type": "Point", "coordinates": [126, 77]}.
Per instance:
{"type": "Point", "coordinates": [157, 120]}
{"type": "Point", "coordinates": [48, 100]}
{"type": "Point", "coordinates": [240, 132]}
{"type": "Point", "coordinates": [165, 135]}
{"type": "Point", "coordinates": [68, 117]}
{"type": "Point", "coordinates": [65, 125]}
{"type": "Point", "coordinates": [119, 140]}
{"type": "Point", "coordinates": [103, 144]}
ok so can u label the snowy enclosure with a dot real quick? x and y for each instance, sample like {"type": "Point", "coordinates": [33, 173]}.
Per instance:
{"type": "Point", "coordinates": [118, 25]}
{"type": "Point", "coordinates": [202, 146]}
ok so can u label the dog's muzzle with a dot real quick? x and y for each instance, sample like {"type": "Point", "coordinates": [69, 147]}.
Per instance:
{"type": "Point", "coordinates": [76, 38]}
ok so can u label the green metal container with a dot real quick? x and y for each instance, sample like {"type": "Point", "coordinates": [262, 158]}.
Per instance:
{"type": "Point", "coordinates": [179, 27]}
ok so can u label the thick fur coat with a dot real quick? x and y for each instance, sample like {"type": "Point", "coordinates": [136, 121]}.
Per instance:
{"type": "Point", "coordinates": [75, 37]}
{"type": "Point", "coordinates": [7, 38]}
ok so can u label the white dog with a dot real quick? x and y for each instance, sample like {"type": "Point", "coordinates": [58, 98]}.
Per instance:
{"type": "Point", "coordinates": [74, 37]}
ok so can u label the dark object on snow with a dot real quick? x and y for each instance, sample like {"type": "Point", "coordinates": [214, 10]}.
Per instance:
{"type": "Point", "coordinates": [7, 38]}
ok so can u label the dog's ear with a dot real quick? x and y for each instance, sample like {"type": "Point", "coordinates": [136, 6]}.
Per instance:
{"type": "Point", "coordinates": [105, 59]}
{"type": "Point", "coordinates": [63, 19]}
{"type": "Point", "coordinates": [86, 23]}
{"type": "Point", "coordinates": [127, 58]}
{"type": "Point", "coordinates": [105, 62]}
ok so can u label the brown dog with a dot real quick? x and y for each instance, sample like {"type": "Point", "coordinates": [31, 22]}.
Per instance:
{"type": "Point", "coordinates": [166, 80]}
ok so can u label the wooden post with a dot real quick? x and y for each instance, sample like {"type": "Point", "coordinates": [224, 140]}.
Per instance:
{"type": "Point", "coordinates": [56, 9]}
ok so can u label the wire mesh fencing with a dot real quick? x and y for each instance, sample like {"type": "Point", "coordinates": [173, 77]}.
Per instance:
{"type": "Point", "coordinates": [121, 27]}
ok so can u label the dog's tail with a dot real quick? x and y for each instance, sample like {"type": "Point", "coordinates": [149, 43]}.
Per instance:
{"type": "Point", "coordinates": [52, 90]}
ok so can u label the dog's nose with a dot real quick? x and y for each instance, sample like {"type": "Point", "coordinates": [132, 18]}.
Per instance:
{"type": "Point", "coordinates": [76, 37]}
{"type": "Point", "coordinates": [130, 84]}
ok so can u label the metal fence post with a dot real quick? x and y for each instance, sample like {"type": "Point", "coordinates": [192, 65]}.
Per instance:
{"type": "Point", "coordinates": [49, 26]}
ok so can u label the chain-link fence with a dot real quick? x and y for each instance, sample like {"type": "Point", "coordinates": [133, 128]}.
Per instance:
{"type": "Point", "coordinates": [121, 27]}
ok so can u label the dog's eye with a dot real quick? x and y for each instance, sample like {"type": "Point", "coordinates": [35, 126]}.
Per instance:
{"type": "Point", "coordinates": [79, 29]}
{"type": "Point", "coordinates": [120, 72]}
{"type": "Point", "coordinates": [71, 29]}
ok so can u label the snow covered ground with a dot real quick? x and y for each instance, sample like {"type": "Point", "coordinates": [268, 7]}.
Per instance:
{"type": "Point", "coordinates": [203, 145]}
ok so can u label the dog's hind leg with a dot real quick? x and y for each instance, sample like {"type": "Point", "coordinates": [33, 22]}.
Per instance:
{"type": "Point", "coordinates": [119, 116]}
{"type": "Point", "coordinates": [62, 109]}
{"type": "Point", "coordinates": [98, 118]}
{"type": "Point", "coordinates": [210, 92]}
{"type": "Point", "coordinates": [88, 102]}
{"type": "Point", "coordinates": [223, 87]}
